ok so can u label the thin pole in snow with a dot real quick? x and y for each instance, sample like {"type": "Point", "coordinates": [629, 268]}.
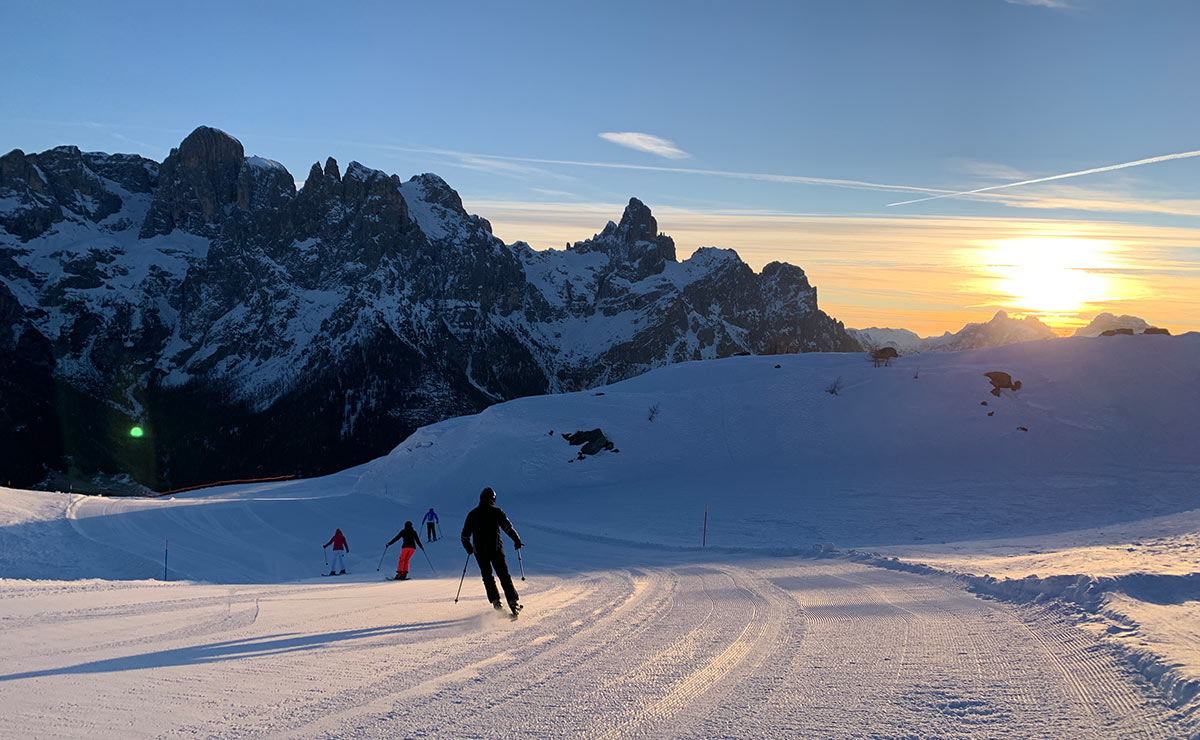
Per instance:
{"type": "Point", "coordinates": [431, 568]}
{"type": "Point", "coordinates": [704, 536]}
{"type": "Point", "coordinates": [166, 551]}
{"type": "Point", "coordinates": [464, 577]}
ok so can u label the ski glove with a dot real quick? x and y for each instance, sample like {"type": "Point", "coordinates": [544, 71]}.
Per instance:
{"type": "Point", "coordinates": [470, 550]}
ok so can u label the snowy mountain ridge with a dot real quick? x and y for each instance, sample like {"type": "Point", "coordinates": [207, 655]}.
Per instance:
{"type": "Point", "coordinates": [243, 323]}
{"type": "Point", "coordinates": [1000, 330]}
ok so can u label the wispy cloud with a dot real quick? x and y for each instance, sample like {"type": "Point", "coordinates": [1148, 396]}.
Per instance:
{"type": "Point", "coordinates": [554, 193]}
{"type": "Point", "coordinates": [1098, 201]}
{"type": "Point", "coordinates": [1042, 3]}
{"type": "Point", "coordinates": [756, 176]}
{"type": "Point", "coordinates": [498, 167]}
{"type": "Point", "coordinates": [1092, 171]}
{"type": "Point", "coordinates": [646, 143]}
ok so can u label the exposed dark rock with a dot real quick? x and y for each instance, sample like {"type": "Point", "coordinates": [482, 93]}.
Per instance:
{"type": "Point", "coordinates": [592, 441]}
{"type": "Point", "coordinates": [198, 184]}
{"type": "Point", "coordinates": [1001, 381]}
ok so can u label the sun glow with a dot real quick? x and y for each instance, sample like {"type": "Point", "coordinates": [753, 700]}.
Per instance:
{"type": "Point", "coordinates": [1051, 275]}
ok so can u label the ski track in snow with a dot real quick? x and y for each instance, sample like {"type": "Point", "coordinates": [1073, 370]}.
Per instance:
{"type": "Point", "coordinates": [745, 648]}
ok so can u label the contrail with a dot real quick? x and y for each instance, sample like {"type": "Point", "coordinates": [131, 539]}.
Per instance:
{"type": "Point", "coordinates": [759, 176]}
{"type": "Point", "coordinates": [1123, 165]}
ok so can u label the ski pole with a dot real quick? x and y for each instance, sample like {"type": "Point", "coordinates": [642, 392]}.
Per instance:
{"type": "Point", "coordinates": [326, 554]}
{"type": "Point", "coordinates": [464, 577]}
{"type": "Point", "coordinates": [522, 562]}
{"type": "Point", "coordinates": [385, 547]}
{"type": "Point", "coordinates": [435, 575]}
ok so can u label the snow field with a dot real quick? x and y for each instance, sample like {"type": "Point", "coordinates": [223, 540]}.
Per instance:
{"type": "Point", "coordinates": [680, 648]}
{"type": "Point", "coordinates": [631, 629]}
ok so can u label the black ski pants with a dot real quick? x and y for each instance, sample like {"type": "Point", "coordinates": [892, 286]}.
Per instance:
{"type": "Point", "coordinates": [495, 560]}
{"type": "Point", "coordinates": [430, 533]}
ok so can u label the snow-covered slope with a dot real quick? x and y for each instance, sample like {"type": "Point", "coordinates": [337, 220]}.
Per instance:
{"type": "Point", "coordinates": [734, 638]}
{"type": "Point", "coordinates": [1099, 433]}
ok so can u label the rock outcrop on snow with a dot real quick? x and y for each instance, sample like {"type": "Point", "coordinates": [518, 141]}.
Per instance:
{"type": "Point", "coordinates": [246, 325]}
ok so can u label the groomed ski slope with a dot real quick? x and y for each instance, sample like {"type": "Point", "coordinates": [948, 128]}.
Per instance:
{"type": "Point", "coordinates": [631, 629]}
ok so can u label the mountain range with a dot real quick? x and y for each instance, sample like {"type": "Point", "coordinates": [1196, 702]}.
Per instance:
{"type": "Point", "coordinates": [1000, 330]}
{"type": "Point", "coordinates": [242, 324]}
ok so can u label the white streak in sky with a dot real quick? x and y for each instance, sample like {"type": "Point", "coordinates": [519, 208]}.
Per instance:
{"type": "Point", "coordinates": [1043, 3]}
{"type": "Point", "coordinates": [646, 143]}
{"type": "Point", "coordinates": [1107, 168]}
{"type": "Point", "coordinates": [756, 176]}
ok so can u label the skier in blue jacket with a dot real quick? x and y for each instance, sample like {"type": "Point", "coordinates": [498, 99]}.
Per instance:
{"type": "Point", "coordinates": [430, 521]}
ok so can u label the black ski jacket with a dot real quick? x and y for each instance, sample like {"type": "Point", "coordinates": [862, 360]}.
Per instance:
{"type": "Point", "coordinates": [410, 538]}
{"type": "Point", "coordinates": [484, 524]}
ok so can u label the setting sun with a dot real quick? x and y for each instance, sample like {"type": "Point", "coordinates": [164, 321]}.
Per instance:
{"type": "Point", "coordinates": [1051, 276]}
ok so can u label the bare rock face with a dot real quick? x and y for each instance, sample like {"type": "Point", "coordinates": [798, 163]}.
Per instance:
{"type": "Point", "coordinates": [253, 329]}
{"type": "Point", "coordinates": [198, 184]}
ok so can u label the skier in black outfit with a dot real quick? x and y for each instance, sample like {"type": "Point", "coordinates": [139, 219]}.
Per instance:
{"type": "Point", "coordinates": [483, 525]}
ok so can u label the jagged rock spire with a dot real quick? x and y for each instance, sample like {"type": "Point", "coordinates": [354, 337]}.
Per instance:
{"type": "Point", "coordinates": [634, 246]}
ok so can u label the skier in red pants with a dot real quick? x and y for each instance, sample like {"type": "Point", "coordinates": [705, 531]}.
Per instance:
{"type": "Point", "coordinates": [411, 542]}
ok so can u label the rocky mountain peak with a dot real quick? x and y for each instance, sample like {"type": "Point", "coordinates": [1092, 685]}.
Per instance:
{"type": "Point", "coordinates": [198, 183]}
{"type": "Point", "coordinates": [1106, 321]}
{"type": "Point", "coordinates": [211, 151]}
{"type": "Point", "coordinates": [331, 170]}
{"type": "Point", "coordinates": [17, 172]}
{"type": "Point", "coordinates": [438, 192]}
{"type": "Point", "coordinates": [635, 248]}
{"type": "Point", "coordinates": [637, 224]}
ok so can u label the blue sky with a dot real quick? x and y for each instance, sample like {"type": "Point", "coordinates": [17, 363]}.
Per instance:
{"type": "Point", "coordinates": [511, 102]}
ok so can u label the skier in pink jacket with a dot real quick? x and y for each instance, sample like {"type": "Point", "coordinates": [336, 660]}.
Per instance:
{"type": "Point", "coordinates": [340, 547]}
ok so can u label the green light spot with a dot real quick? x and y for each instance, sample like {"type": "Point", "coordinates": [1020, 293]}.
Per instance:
{"type": "Point", "coordinates": [136, 432]}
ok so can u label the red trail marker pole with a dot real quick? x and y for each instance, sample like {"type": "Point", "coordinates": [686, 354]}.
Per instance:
{"type": "Point", "coordinates": [704, 537]}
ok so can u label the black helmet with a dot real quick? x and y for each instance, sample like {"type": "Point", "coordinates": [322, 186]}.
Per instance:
{"type": "Point", "coordinates": [487, 495]}
{"type": "Point", "coordinates": [408, 525]}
